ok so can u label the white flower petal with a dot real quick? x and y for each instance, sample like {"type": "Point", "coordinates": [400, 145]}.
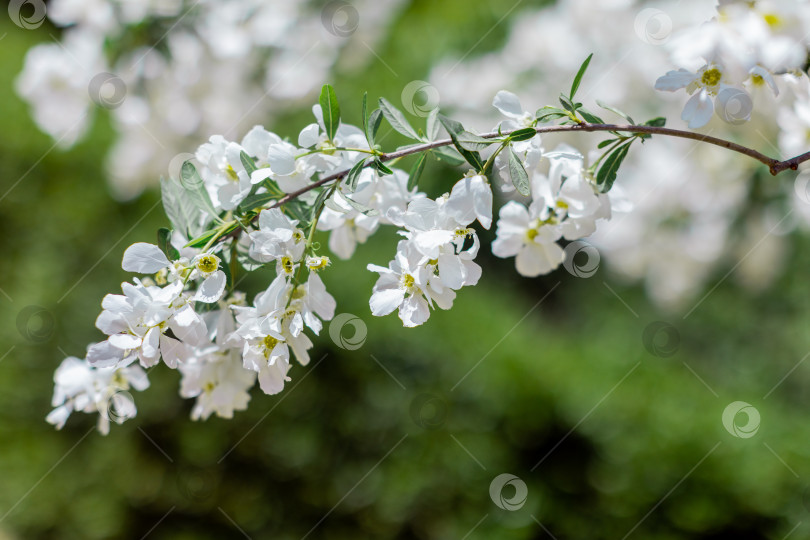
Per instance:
{"type": "Point", "coordinates": [144, 258]}
{"type": "Point", "coordinates": [386, 301]}
{"type": "Point", "coordinates": [280, 160]}
{"type": "Point", "coordinates": [675, 80]}
{"type": "Point", "coordinates": [212, 288]}
{"type": "Point", "coordinates": [698, 110]}
{"type": "Point", "coordinates": [125, 341]}
{"type": "Point", "coordinates": [508, 103]}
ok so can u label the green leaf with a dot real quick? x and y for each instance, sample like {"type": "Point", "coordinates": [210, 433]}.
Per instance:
{"type": "Point", "coordinates": [567, 104]}
{"type": "Point", "coordinates": [416, 171]}
{"type": "Point", "coordinates": [607, 172]}
{"type": "Point", "coordinates": [473, 142]}
{"type": "Point", "coordinates": [614, 110]}
{"type": "Point", "coordinates": [522, 134]}
{"type": "Point", "coordinates": [195, 186]}
{"type": "Point", "coordinates": [330, 109]}
{"type": "Point", "coordinates": [656, 122]}
{"type": "Point", "coordinates": [590, 117]}
{"type": "Point", "coordinates": [578, 78]}
{"type": "Point", "coordinates": [382, 169]}
{"type": "Point", "coordinates": [297, 209]}
{"type": "Point", "coordinates": [520, 179]}
{"type": "Point", "coordinates": [605, 143]}
{"type": "Point", "coordinates": [247, 163]}
{"type": "Point", "coordinates": [203, 239]}
{"type": "Point", "coordinates": [255, 201]}
{"type": "Point", "coordinates": [180, 208]}
{"type": "Point", "coordinates": [397, 120]}
{"type": "Point", "coordinates": [374, 121]}
{"type": "Point", "coordinates": [164, 242]}
{"type": "Point", "coordinates": [320, 200]}
{"type": "Point", "coordinates": [357, 206]}
{"type": "Point", "coordinates": [453, 129]}
{"type": "Point", "coordinates": [354, 175]}
{"type": "Point", "coordinates": [448, 155]}
{"type": "Point", "coordinates": [433, 125]}
{"type": "Point", "coordinates": [550, 113]}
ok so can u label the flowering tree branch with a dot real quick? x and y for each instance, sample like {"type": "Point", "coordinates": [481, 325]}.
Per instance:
{"type": "Point", "coordinates": [186, 312]}
{"type": "Point", "coordinates": [774, 165]}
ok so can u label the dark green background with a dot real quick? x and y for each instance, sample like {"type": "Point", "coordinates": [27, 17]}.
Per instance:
{"type": "Point", "coordinates": [625, 436]}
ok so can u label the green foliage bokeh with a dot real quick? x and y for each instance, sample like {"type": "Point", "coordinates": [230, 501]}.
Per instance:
{"type": "Point", "coordinates": [402, 437]}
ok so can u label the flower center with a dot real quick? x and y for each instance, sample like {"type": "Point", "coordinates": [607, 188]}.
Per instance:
{"type": "Point", "coordinates": [407, 281]}
{"type": "Point", "coordinates": [207, 263]}
{"type": "Point", "coordinates": [231, 173]}
{"type": "Point", "coordinates": [318, 263]}
{"type": "Point", "coordinates": [773, 20]}
{"type": "Point", "coordinates": [269, 343]}
{"type": "Point", "coordinates": [287, 264]}
{"type": "Point", "coordinates": [711, 77]}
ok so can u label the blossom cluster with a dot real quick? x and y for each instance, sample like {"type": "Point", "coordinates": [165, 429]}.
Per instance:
{"type": "Point", "coordinates": [258, 203]}
{"type": "Point", "coordinates": [172, 72]}
{"type": "Point", "coordinates": [745, 47]}
{"type": "Point", "coordinates": [688, 199]}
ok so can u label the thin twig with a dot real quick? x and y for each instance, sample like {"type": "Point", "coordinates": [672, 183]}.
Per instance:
{"type": "Point", "coordinates": [774, 165]}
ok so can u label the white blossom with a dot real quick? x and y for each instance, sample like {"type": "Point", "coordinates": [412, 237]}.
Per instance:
{"type": "Point", "coordinates": [80, 386]}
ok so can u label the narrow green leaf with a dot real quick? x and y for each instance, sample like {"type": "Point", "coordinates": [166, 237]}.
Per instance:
{"type": "Point", "coordinates": [448, 155]}
{"type": "Point", "coordinates": [473, 142]}
{"type": "Point", "coordinates": [373, 125]}
{"type": "Point", "coordinates": [656, 122]}
{"type": "Point", "coordinates": [331, 110]}
{"type": "Point", "coordinates": [164, 236]}
{"type": "Point", "coordinates": [551, 115]}
{"type": "Point", "coordinates": [180, 208]}
{"type": "Point", "coordinates": [578, 78]}
{"type": "Point", "coordinates": [614, 110]}
{"type": "Point", "coordinates": [606, 175]}
{"type": "Point", "coordinates": [357, 206]}
{"type": "Point", "coordinates": [354, 175]}
{"type": "Point", "coordinates": [297, 209]}
{"type": "Point", "coordinates": [203, 239]}
{"type": "Point", "coordinates": [397, 119]}
{"type": "Point", "coordinates": [453, 129]}
{"type": "Point", "coordinates": [382, 169]}
{"type": "Point", "coordinates": [520, 179]}
{"type": "Point", "coordinates": [247, 163]}
{"type": "Point", "coordinates": [416, 171]}
{"type": "Point", "coordinates": [195, 186]}
{"type": "Point", "coordinates": [567, 104]}
{"type": "Point", "coordinates": [523, 134]}
{"type": "Point", "coordinates": [255, 201]}
{"type": "Point", "coordinates": [590, 117]}
{"type": "Point", "coordinates": [605, 143]}
{"type": "Point", "coordinates": [320, 200]}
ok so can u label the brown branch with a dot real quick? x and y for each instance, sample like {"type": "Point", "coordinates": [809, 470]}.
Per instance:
{"type": "Point", "coordinates": [774, 165]}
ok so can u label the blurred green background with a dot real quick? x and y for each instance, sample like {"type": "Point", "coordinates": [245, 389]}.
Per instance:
{"type": "Point", "coordinates": [402, 437]}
